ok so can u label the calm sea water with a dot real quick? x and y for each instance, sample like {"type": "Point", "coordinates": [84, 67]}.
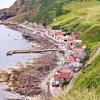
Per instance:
{"type": "Point", "coordinates": [12, 40]}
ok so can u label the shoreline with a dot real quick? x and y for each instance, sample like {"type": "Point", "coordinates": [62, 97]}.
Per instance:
{"type": "Point", "coordinates": [33, 71]}
{"type": "Point", "coordinates": [36, 78]}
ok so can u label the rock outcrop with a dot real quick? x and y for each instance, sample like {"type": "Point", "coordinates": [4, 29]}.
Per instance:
{"type": "Point", "coordinates": [22, 10]}
{"type": "Point", "coordinates": [4, 76]}
{"type": "Point", "coordinates": [18, 7]}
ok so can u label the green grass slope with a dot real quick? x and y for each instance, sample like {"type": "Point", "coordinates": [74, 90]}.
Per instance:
{"type": "Point", "coordinates": [90, 78]}
{"type": "Point", "coordinates": [79, 16]}
{"type": "Point", "coordinates": [82, 16]}
{"type": "Point", "coordinates": [87, 86]}
{"type": "Point", "coordinates": [83, 94]}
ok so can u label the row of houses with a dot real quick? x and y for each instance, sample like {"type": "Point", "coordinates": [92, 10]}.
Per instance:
{"type": "Point", "coordinates": [71, 54]}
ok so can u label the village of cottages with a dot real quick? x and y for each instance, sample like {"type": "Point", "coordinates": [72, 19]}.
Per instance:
{"type": "Point", "coordinates": [70, 57]}
{"type": "Point", "coordinates": [71, 54]}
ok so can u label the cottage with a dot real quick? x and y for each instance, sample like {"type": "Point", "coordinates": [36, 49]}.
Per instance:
{"type": "Point", "coordinates": [75, 34]}
{"type": "Point", "coordinates": [71, 52]}
{"type": "Point", "coordinates": [76, 66]}
{"type": "Point", "coordinates": [71, 39]}
{"type": "Point", "coordinates": [78, 49]}
{"type": "Point", "coordinates": [80, 55]}
{"type": "Point", "coordinates": [77, 43]}
{"type": "Point", "coordinates": [73, 42]}
{"type": "Point", "coordinates": [59, 36]}
{"type": "Point", "coordinates": [62, 74]}
{"type": "Point", "coordinates": [72, 58]}
{"type": "Point", "coordinates": [52, 32]}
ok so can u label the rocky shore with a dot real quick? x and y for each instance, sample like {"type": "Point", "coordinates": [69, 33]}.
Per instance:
{"type": "Point", "coordinates": [27, 79]}
{"type": "Point", "coordinates": [63, 53]}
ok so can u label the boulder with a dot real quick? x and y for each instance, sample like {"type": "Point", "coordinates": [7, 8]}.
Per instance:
{"type": "Point", "coordinates": [4, 76]}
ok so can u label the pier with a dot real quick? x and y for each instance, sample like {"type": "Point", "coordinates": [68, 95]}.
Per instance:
{"type": "Point", "coordinates": [29, 51]}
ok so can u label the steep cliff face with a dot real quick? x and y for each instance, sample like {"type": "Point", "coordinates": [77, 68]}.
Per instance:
{"type": "Point", "coordinates": [43, 11]}
{"type": "Point", "coordinates": [23, 9]}
{"type": "Point", "coordinates": [18, 7]}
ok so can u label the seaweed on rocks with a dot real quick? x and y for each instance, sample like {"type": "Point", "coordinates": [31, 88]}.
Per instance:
{"type": "Point", "coordinates": [27, 81]}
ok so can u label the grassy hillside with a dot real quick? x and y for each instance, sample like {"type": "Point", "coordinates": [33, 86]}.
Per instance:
{"type": "Point", "coordinates": [90, 78]}
{"type": "Point", "coordinates": [81, 16]}
{"type": "Point", "coordinates": [83, 94]}
{"type": "Point", "coordinates": [84, 17]}
{"type": "Point", "coordinates": [87, 86]}
{"type": "Point", "coordinates": [49, 10]}
{"type": "Point", "coordinates": [72, 15]}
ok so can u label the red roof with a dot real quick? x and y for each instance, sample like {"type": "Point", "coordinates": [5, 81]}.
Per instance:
{"type": "Point", "coordinates": [71, 39]}
{"type": "Point", "coordinates": [65, 75]}
{"type": "Point", "coordinates": [59, 33]}
{"type": "Point", "coordinates": [71, 58]}
{"type": "Point", "coordinates": [57, 75]}
{"type": "Point", "coordinates": [62, 75]}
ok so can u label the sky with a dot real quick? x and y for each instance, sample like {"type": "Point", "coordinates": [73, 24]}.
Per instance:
{"type": "Point", "coordinates": [6, 3]}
